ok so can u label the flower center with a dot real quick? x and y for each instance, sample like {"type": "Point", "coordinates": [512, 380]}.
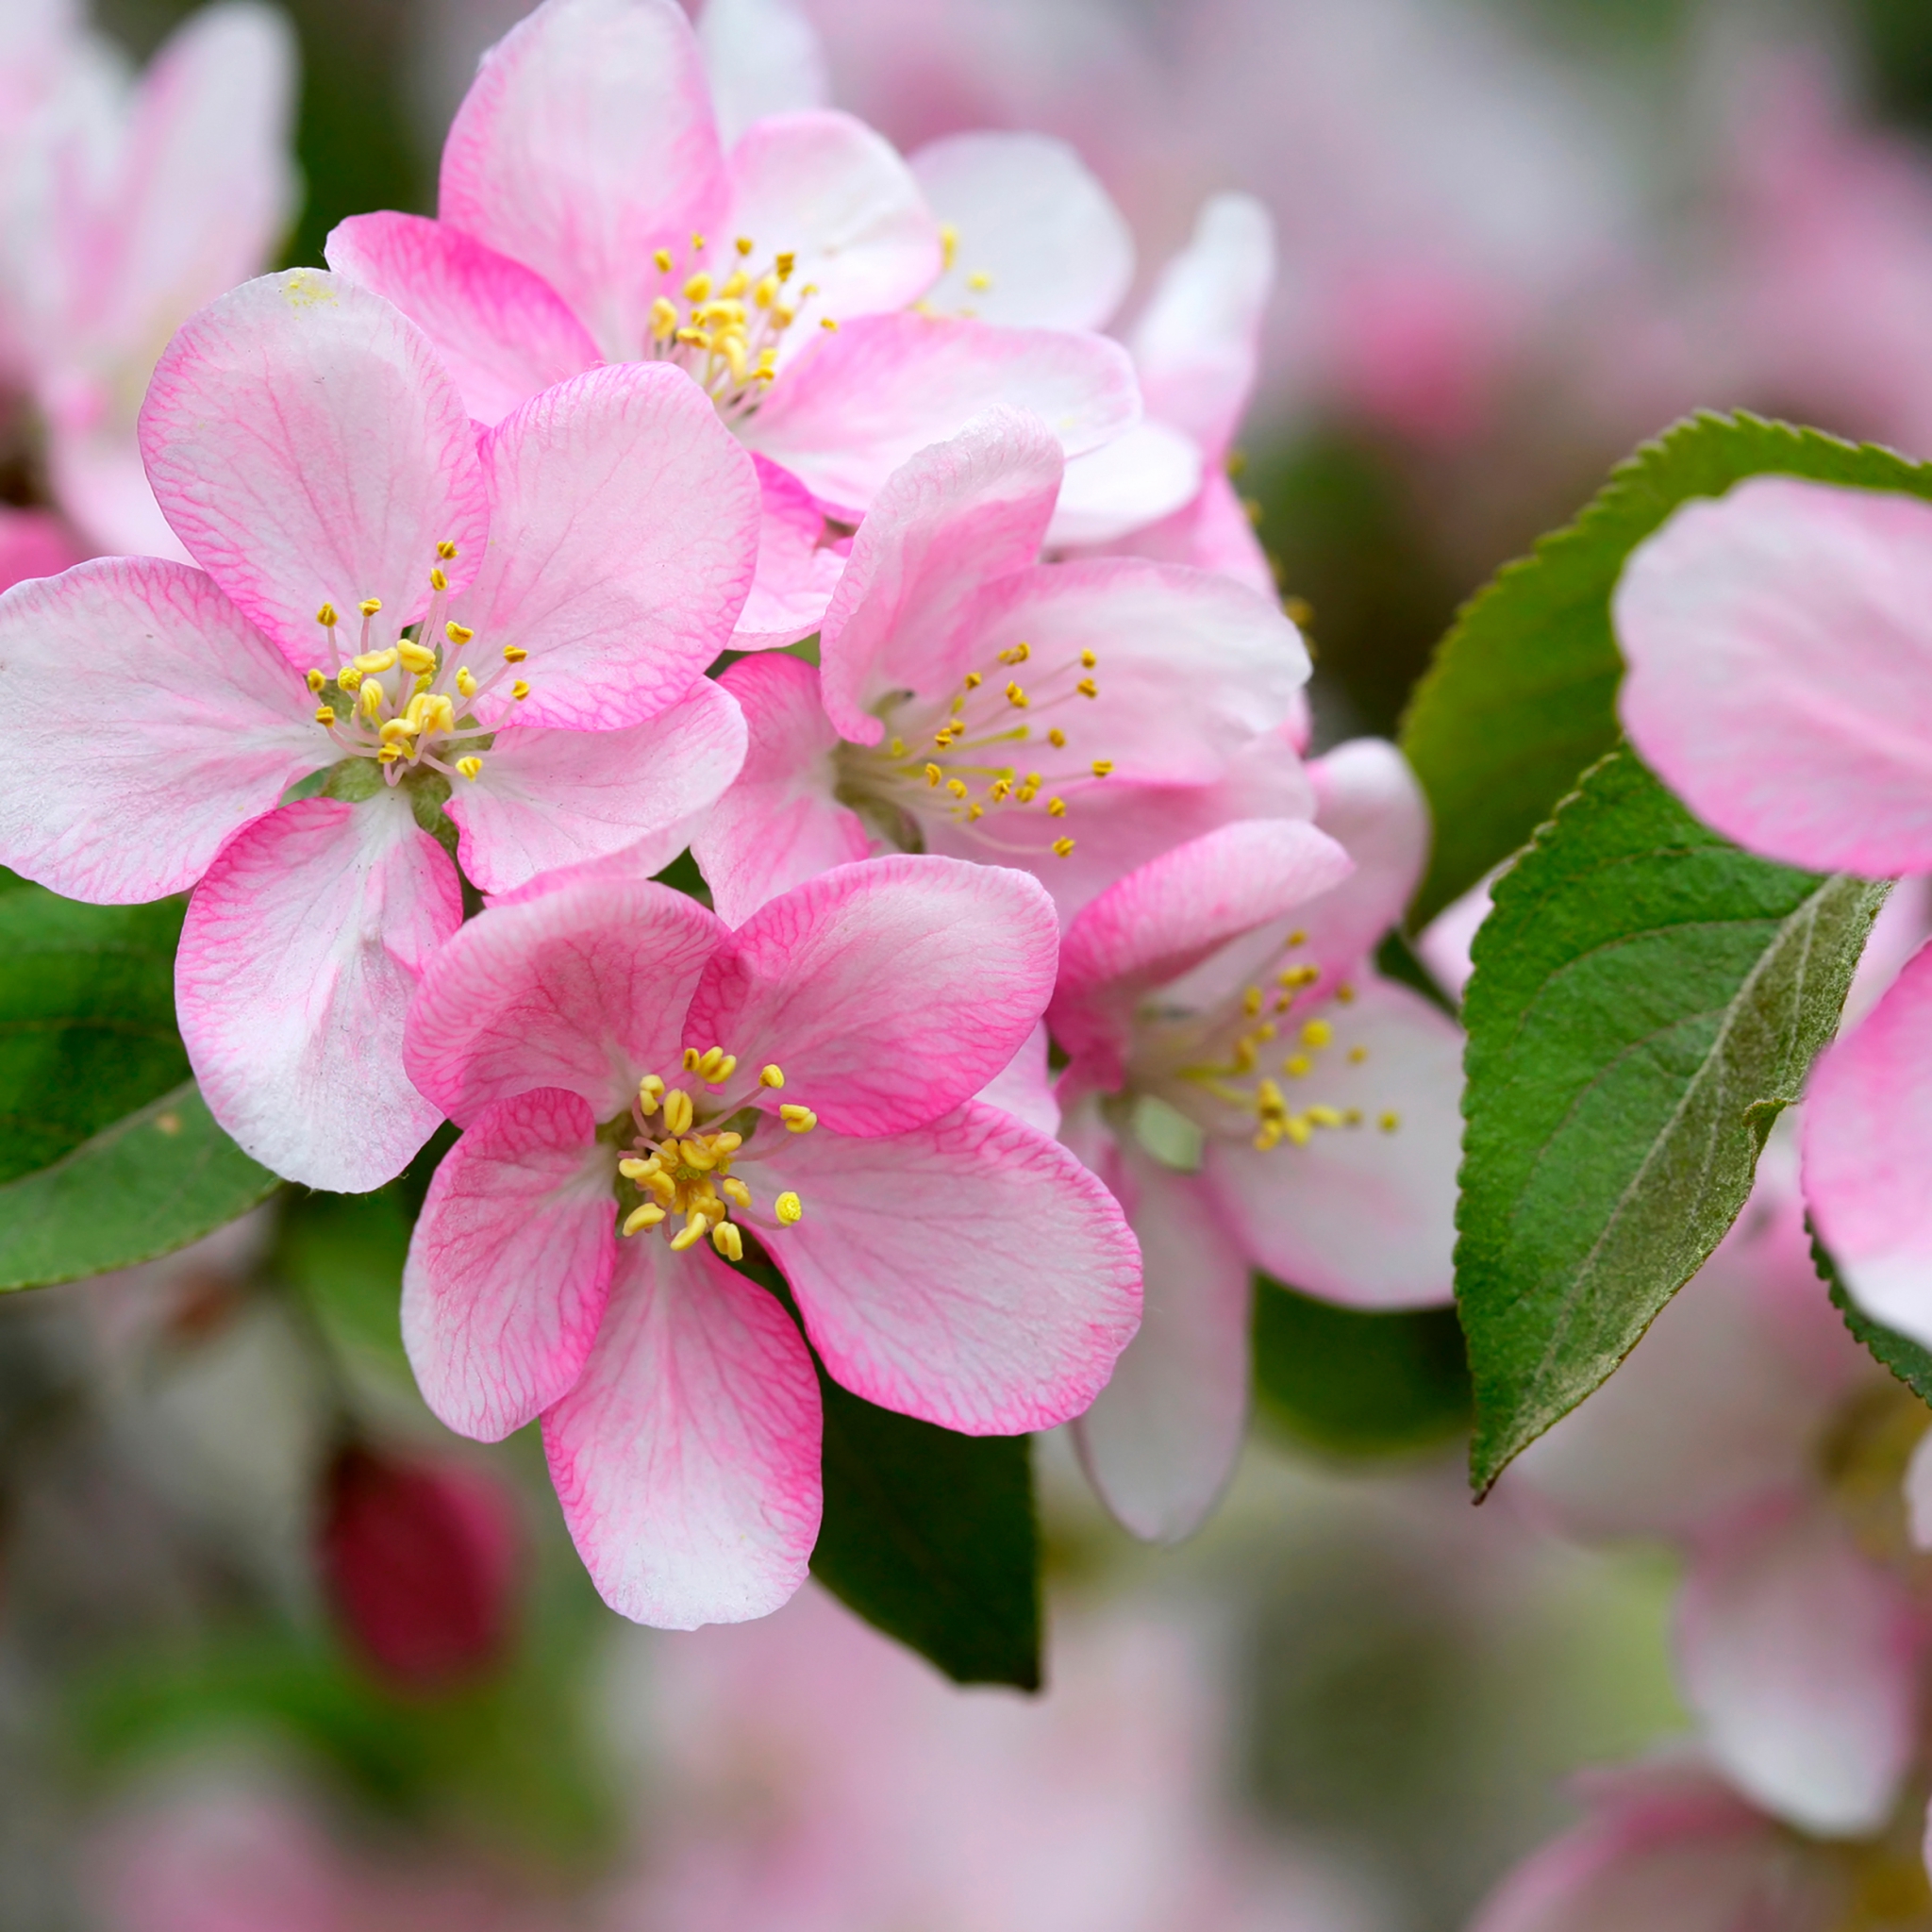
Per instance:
{"type": "Point", "coordinates": [1222, 1057]}
{"type": "Point", "coordinates": [959, 755]}
{"type": "Point", "coordinates": [411, 702]}
{"type": "Point", "coordinates": [723, 327]}
{"type": "Point", "coordinates": [677, 1165]}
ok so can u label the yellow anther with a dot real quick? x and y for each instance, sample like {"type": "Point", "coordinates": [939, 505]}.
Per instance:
{"type": "Point", "coordinates": [422, 681]}
{"type": "Point", "coordinates": [646, 1214]}
{"type": "Point", "coordinates": [974, 811]}
{"type": "Point", "coordinates": [1270, 1097]}
{"type": "Point", "coordinates": [1297, 1067]}
{"type": "Point", "coordinates": [662, 258]}
{"type": "Point", "coordinates": [697, 240]}
{"type": "Point", "coordinates": [1016, 697]}
{"type": "Point", "coordinates": [650, 1092]}
{"type": "Point", "coordinates": [1298, 1130]}
{"type": "Point", "coordinates": [678, 1111]}
{"type": "Point", "coordinates": [1268, 1136]}
{"type": "Point", "coordinates": [1057, 738]}
{"type": "Point", "coordinates": [438, 713]}
{"type": "Point", "coordinates": [514, 654]}
{"type": "Point", "coordinates": [1317, 1033]}
{"type": "Point", "coordinates": [437, 580]}
{"type": "Point", "coordinates": [635, 1167]}
{"type": "Point", "coordinates": [691, 1057]}
{"type": "Point", "coordinates": [785, 263]}
{"type": "Point", "coordinates": [348, 677]}
{"type": "Point", "coordinates": [458, 634]}
{"type": "Point", "coordinates": [789, 1208]}
{"type": "Point", "coordinates": [1251, 1001]}
{"type": "Point", "coordinates": [371, 702]}
{"type": "Point", "coordinates": [1297, 939]}
{"type": "Point", "coordinates": [698, 288]}
{"type": "Point", "coordinates": [663, 320]}
{"type": "Point", "coordinates": [1357, 1054]}
{"type": "Point", "coordinates": [519, 690]}
{"type": "Point", "coordinates": [1018, 654]}
{"type": "Point", "coordinates": [415, 659]}
{"type": "Point", "coordinates": [327, 617]}
{"type": "Point", "coordinates": [783, 316]}
{"type": "Point", "coordinates": [979, 280]}
{"type": "Point", "coordinates": [1326, 1116]}
{"type": "Point", "coordinates": [1088, 660]}
{"type": "Point", "coordinates": [772, 1076]}
{"type": "Point", "coordinates": [1103, 767]}
{"type": "Point", "coordinates": [370, 606]}
{"type": "Point", "coordinates": [662, 1186]}
{"type": "Point", "coordinates": [466, 682]}
{"type": "Point", "coordinates": [798, 1120]}
{"type": "Point", "coordinates": [398, 731]}
{"type": "Point", "coordinates": [949, 243]}
{"type": "Point", "coordinates": [735, 1191]}
{"type": "Point", "coordinates": [728, 1241]}
{"type": "Point", "coordinates": [717, 1066]}
{"type": "Point", "coordinates": [1300, 976]}
{"type": "Point", "coordinates": [315, 681]}
{"type": "Point", "coordinates": [326, 714]}
{"type": "Point", "coordinates": [956, 787]}
{"type": "Point", "coordinates": [690, 1234]}
{"type": "Point", "coordinates": [1062, 847]}
{"type": "Point", "coordinates": [933, 774]}
{"type": "Point", "coordinates": [1055, 807]}
{"type": "Point", "coordinates": [471, 766]}
{"type": "Point", "coordinates": [1344, 992]}
{"type": "Point", "coordinates": [743, 244]}
{"type": "Point", "coordinates": [1350, 1117]}
{"type": "Point", "coordinates": [1002, 791]}
{"type": "Point", "coordinates": [445, 550]}
{"type": "Point", "coordinates": [371, 664]}
{"type": "Point", "coordinates": [1388, 1122]}
{"type": "Point", "coordinates": [828, 321]}
{"type": "Point", "coordinates": [726, 1145]}
{"type": "Point", "coordinates": [1087, 689]}
{"type": "Point", "coordinates": [695, 1154]}
{"type": "Point", "coordinates": [388, 754]}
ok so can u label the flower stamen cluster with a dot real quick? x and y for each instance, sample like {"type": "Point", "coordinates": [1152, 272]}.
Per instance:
{"type": "Point", "coordinates": [681, 1168]}
{"type": "Point", "coordinates": [406, 702]}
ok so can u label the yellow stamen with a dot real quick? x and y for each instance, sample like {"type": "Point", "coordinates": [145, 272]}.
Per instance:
{"type": "Point", "coordinates": [445, 550]}
{"type": "Point", "coordinates": [1297, 1067]}
{"type": "Point", "coordinates": [1088, 660]}
{"type": "Point", "coordinates": [789, 1208]}
{"type": "Point", "coordinates": [1297, 939]}
{"type": "Point", "coordinates": [315, 681]}
{"type": "Point", "coordinates": [437, 580]}
{"type": "Point", "coordinates": [1057, 738]}
{"type": "Point", "coordinates": [514, 654]}
{"type": "Point", "coordinates": [1326, 1116]}
{"type": "Point", "coordinates": [735, 1191]}
{"type": "Point", "coordinates": [650, 1092]}
{"type": "Point", "coordinates": [466, 682]}
{"type": "Point", "coordinates": [1102, 767]}
{"type": "Point", "coordinates": [798, 1120]}
{"type": "Point", "coordinates": [370, 606]}
{"type": "Point", "coordinates": [697, 240]}
{"type": "Point", "coordinates": [1298, 1130]}
{"type": "Point", "coordinates": [326, 714]}
{"type": "Point", "coordinates": [646, 1214]}
{"type": "Point", "coordinates": [634, 1168]}
{"type": "Point", "coordinates": [728, 1241]}
{"type": "Point", "coordinates": [327, 617]}
{"type": "Point", "coordinates": [1016, 697]}
{"type": "Point", "coordinates": [471, 766]}
{"type": "Point", "coordinates": [1357, 1054]}
{"type": "Point", "coordinates": [1062, 847]}
{"type": "Point", "coordinates": [348, 677]}
{"type": "Point", "coordinates": [1055, 807]}
{"type": "Point", "coordinates": [519, 690]}
{"type": "Point", "coordinates": [979, 280]}
{"type": "Point", "coordinates": [933, 774]}
{"type": "Point", "coordinates": [662, 258]}
{"type": "Point", "coordinates": [692, 1057]}
{"type": "Point", "coordinates": [828, 321]}
{"type": "Point", "coordinates": [415, 659]}
{"type": "Point", "coordinates": [678, 1111]}
{"type": "Point", "coordinates": [956, 787]}
{"type": "Point", "coordinates": [663, 320]}
{"type": "Point", "coordinates": [698, 288]}
{"type": "Point", "coordinates": [1087, 689]}
{"type": "Point", "coordinates": [772, 1076]}
{"type": "Point", "coordinates": [388, 754]}
{"type": "Point", "coordinates": [457, 633]}
{"type": "Point", "coordinates": [1317, 1033]}
{"type": "Point", "coordinates": [371, 664]}
{"type": "Point", "coordinates": [690, 1234]}
{"type": "Point", "coordinates": [1388, 1122]}
{"type": "Point", "coordinates": [371, 702]}
{"type": "Point", "coordinates": [1344, 992]}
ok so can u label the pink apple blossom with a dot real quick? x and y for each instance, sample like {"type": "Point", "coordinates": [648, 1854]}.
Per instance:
{"type": "Point", "coordinates": [588, 209]}
{"type": "Point", "coordinates": [1072, 719]}
{"type": "Point", "coordinates": [640, 1088]}
{"type": "Point", "coordinates": [1257, 1096]}
{"type": "Point", "coordinates": [124, 207]}
{"type": "Point", "coordinates": [1752, 1432]}
{"type": "Point", "coordinates": [364, 562]}
{"type": "Point", "coordinates": [1780, 682]}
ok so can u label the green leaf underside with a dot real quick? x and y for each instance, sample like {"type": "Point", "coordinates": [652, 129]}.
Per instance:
{"type": "Point", "coordinates": [1356, 1382]}
{"type": "Point", "coordinates": [1904, 1356]}
{"type": "Point", "coordinates": [1522, 695]}
{"type": "Point", "coordinates": [1646, 998]}
{"type": "Point", "coordinates": [107, 1155]}
{"type": "Point", "coordinates": [931, 1536]}
{"type": "Point", "coordinates": [154, 1181]}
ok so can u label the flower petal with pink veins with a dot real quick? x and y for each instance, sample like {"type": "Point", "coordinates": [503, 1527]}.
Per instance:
{"type": "Point", "coordinates": [1197, 345]}
{"type": "Point", "coordinates": [762, 58]}
{"type": "Point", "coordinates": [1023, 1086]}
{"type": "Point", "coordinates": [308, 448]}
{"type": "Point", "coordinates": [956, 516]}
{"type": "Point", "coordinates": [780, 822]}
{"type": "Point", "coordinates": [797, 569]}
{"type": "Point", "coordinates": [866, 398]}
{"type": "Point", "coordinates": [510, 1264]}
{"type": "Point", "coordinates": [205, 183]}
{"type": "Point", "coordinates": [583, 988]}
{"type": "Point", "coordinates": [1779, 645]}
{"type": "Point", "coordinates": [1670, 1848]}
{"type": "Point", "coordinates": [1214, 532]}
{"type": "Point", "coordinates": [585, 144]}
{"type": "Point", "coordinates": [34, 543]}
{"type": "Point", "coordinates": [1162, 1438]}
{"type": "Point", "coordinates": [687, 1457]}
{"type": "Point", "coordinates": [142, 720]}
{"type": "Point", "coordinates": [889, 991]}
{"type": "Point", "coordinates": [548, 799]}
{"type": "Point", "coordinates": [1039, 244]}
{"type": "Point", "coordinates": [1364, 1215]}
{"type": "Point", "coordinates": [1156, 923]}
{"type": "Point", "coordinates": [302, 948]}
{"type": "Point", "coordinates": [503, 332]}
{"type": "Point", "coordinates": [1189, 668]}
{"type": "Point", "coordinates": [971, 1272]}
{"type": "Point", "coordinates": [1800, 1661]}
{"type": "Point", "coordinates": [1867, 1134]}
{"type": "Point", "coordinates": [1148, 471]}
{"type": "Point", "coordinates": [825, 187]}
{"type": "Point", "coordinates": [624, 530]}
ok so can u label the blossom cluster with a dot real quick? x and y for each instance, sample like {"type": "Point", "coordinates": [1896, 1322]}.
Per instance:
{"type": "Point", "coordinates": [724, 483]}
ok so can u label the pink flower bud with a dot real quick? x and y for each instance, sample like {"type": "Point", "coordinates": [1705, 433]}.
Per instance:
{"type": "Point", "coordinates": [418, 1559]}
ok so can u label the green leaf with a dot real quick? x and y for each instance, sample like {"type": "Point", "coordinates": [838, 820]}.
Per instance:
{"type": "Point", "coordinates": [107, 1155]}
{"type": "Point", "coordinates": [1522, 695]}
{"type": "Point", "coordinates": [1904, 1356]}
{"type": "Point", "coordinates": [931, 1536]}
{"type": "Point", "coordinates": [1355, 1382]}
{"type": "Point", "coordinates": [1646, 998]}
